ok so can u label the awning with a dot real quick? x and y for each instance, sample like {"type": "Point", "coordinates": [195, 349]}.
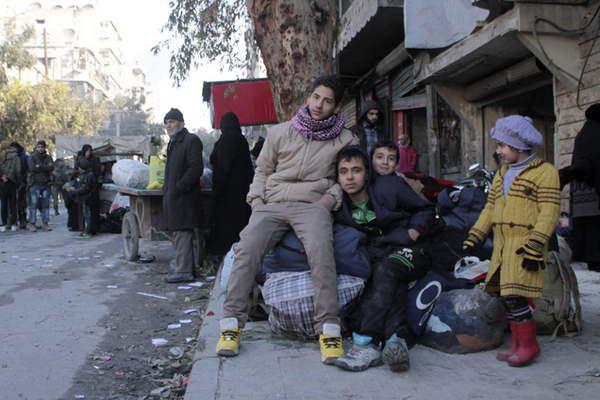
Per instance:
{"type": "Point", "coordinates": [506, 41]}
{"type": "Point", "coordinates": [251, 100]}
{"type": "Point", "coordinates": [434, 24]}
{"type": "Point", "coordinates": [369, 30]}
{"type": "Point", "coordinates": [67, 145]}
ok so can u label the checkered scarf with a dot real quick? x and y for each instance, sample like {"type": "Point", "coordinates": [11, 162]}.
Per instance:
{"type": "Point", "coordinates": [313, 129]}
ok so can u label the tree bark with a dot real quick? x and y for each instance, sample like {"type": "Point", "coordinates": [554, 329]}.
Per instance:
{"type": "Point", "coordinates": [296, 40]}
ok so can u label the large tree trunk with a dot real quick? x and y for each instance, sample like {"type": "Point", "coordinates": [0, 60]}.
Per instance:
{"type": "Point", "coordinates": [296, 40]}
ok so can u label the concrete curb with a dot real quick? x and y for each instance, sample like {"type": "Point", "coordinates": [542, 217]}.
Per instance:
{"type": "Point", "coordinates": [272, 367]}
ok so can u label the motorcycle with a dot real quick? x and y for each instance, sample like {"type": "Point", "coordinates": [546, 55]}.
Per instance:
{"type": "Point", "coordinates": [460, 205]}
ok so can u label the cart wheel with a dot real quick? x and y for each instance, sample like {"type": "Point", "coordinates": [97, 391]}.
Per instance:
{"type": "Point", "coordinates": [131, 236]}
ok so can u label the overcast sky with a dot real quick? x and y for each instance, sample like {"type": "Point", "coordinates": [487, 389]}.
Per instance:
{"type": "Point", "coordinates": [140, 22]}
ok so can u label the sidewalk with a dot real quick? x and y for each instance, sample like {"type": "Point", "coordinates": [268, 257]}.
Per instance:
{"type": "Point", "coordinates": [272, 367]}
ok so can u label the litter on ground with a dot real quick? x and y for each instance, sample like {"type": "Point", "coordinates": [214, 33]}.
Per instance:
{"type": "Point", "coordinates": [159, 342]}
{"type": "Point", "coordinates": [154, 296]}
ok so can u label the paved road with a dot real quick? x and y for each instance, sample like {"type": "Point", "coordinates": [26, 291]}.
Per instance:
{"type": "Point", "coordinates": [54, 304]}
{"type": "Point", "coordinates": [52, 294]}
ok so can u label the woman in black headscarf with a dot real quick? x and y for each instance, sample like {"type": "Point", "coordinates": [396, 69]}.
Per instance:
{"type": "Point", "coordinates": [232, 175]}
{"type": "Point", "coordinates": [584, 176]}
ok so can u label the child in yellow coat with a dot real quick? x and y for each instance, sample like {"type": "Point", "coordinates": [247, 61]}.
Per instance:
{"type": "Point", "coordinates": [522, 211]}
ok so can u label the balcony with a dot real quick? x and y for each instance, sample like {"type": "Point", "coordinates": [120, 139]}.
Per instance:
{"type": "Point", "coordinates": [369, 30]}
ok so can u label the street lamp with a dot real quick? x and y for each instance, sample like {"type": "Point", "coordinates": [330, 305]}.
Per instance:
{"type": "Point", "coordinates": [43, 23]}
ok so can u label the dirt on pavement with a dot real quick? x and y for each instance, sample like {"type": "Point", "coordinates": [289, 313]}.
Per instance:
{"type": "Point", "coordinates": [127, 365]}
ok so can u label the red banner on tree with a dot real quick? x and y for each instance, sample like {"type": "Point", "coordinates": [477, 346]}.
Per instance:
{"type": "Point", "coordinates": [250, 100]}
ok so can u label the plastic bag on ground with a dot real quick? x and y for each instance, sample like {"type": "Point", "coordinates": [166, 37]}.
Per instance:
{"type": "Point", "coordinates": [465, 321]}
{"type": "Point", "coordinates": [471, 268]}
{"type": "Point", "coordinates": [130, 173]}
{"type": "Point", "coordinates": [120, 201]}
{"type": "Point", "coordinates": [226, 268]}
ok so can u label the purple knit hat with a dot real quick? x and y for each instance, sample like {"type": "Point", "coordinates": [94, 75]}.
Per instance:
{"type": "Point", "coordinates": [518, 132]}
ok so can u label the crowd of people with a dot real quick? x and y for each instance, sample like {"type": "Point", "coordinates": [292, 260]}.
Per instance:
{"type": "Point", "coordinates": [30, 182]}
{"type": "Point", "coordinates": [310, 174]}
{"type": "Point", "coordinates": [314, 172]}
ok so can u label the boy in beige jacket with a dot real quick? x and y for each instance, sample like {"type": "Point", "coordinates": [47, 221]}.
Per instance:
{"type": "Point", "coordinates": [294, 188]}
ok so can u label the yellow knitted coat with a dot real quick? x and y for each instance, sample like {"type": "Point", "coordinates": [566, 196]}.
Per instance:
{"type": "Point", "coordinates": [530, 210]}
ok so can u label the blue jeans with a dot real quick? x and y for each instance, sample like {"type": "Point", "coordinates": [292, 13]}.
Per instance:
{"type": "Point", "coordinates": [39, 195]}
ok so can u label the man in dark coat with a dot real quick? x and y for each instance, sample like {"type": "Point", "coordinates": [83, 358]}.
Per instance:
{"type": "Point", "coordinates": [40, 166]}
{"type": "Point", "coordinates": [22, 186]}
{"type": "Point", "coordinates": [368, 128]}
{"type": "Point", "coordinates": [94, 167]}
{"type": "Point", "coordinates": [584, 176]}
{"type": "Point", "coordinates": [232, 176]}
{"type": "Point", "coordinates": [182, 193]}
{"type": "Point", "coordinates": [10, 176]}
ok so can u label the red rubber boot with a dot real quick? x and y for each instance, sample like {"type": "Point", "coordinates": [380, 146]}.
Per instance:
{"type": "Point", "coordinates": [528, 348]}
{"type": "Point", "coordinates": [504, 355]}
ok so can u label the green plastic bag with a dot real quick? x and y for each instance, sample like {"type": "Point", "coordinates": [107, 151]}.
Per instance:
{"type": "Point", "coordinates": [157, 173]}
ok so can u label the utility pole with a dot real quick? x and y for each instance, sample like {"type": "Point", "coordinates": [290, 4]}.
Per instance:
{"type": "Point", "coordinates": [118, 122]}
{"type": "Point", "coordinates": [43, 23]}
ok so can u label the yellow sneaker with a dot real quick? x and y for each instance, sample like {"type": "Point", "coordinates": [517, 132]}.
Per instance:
{"type": "Point", "coordinates": [229, 341]}
{"type": "Point", "coordinates": [331, 343]}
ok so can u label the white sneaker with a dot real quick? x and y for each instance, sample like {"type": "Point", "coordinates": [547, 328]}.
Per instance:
{"type": "Point", "coordinates": [14, 228]}
{"type": "Point", "coordinates": [2, 228]}
{"type": "Point", "coordinates": [360, 358]}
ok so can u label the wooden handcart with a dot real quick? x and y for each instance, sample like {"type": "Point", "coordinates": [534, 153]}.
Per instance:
{"type": "Point", "coordinates": [145, 217]}
{"type": "Point", "coordinates": [143, 220]}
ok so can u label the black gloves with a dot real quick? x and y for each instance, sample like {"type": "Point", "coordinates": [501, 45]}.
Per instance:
{"type": "Point", "coordinates": [469, 245]}
{"type": "Point", "coordinates": [533, 256]}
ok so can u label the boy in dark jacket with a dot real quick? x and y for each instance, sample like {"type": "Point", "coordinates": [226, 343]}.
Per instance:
{"type": "Point", "coordinates": [394, 217]}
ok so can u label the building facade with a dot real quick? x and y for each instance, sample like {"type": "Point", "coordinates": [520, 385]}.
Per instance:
{"type": "Point", "coordinates": [75, 44]}
{"type": "Point", "coordinates": [533, 57]}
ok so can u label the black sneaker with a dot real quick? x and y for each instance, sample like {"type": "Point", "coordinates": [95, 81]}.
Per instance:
{"type": "Point", "coordinates": [179, 278]}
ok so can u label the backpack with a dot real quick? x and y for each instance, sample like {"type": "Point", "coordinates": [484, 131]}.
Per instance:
{"type": "Point", "coordinates": [558, 311]}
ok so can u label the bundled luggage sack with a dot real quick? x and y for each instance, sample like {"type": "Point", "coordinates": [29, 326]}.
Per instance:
{"type": "Point", "coordinates": [465, 321]}
{"type": "Point", "coordinates": [291, 299]}
{"type": "Point", "coordinates": [349, 248]}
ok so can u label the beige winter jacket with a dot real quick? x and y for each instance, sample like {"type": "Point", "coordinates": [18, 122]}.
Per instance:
{"type": "Point", "coordinates": [292, 168]}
